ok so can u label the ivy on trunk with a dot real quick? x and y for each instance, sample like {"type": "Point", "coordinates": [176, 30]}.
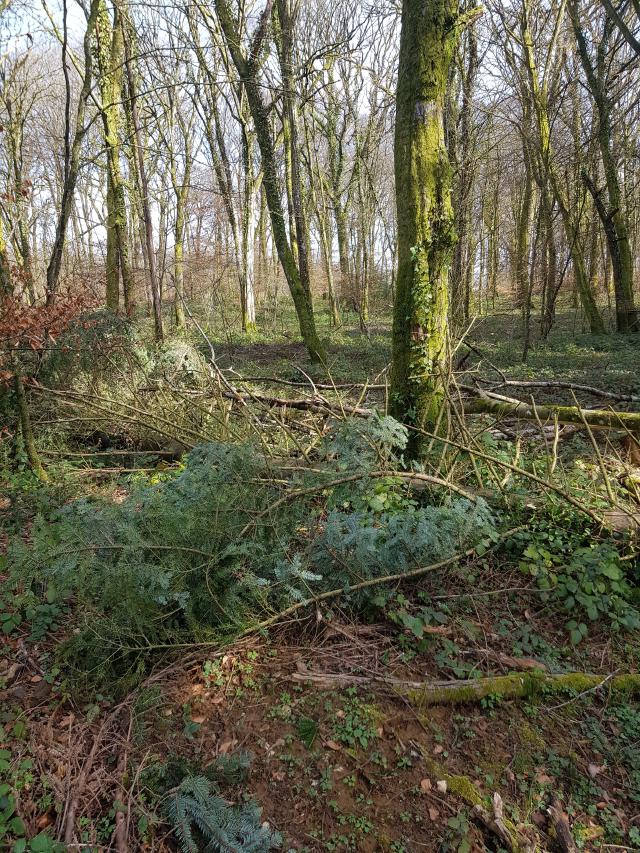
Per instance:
{"type": "Point", "coordinates": [426, 234]}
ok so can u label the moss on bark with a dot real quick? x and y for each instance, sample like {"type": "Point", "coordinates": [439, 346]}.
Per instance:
{"type": "Point", "coordinates": [595, 418]}
{"type": "Point", "coordinates": [426, 235]}
{"type": "Point", "coordinates": [517, 685]}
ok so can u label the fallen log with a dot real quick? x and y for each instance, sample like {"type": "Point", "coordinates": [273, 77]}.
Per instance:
{"type": "Point", "coordinates": [592, 418]}
{"type": "Point", "coordinates": [517, 685]}
{"type": "Point", "coordinates": [514, 685]}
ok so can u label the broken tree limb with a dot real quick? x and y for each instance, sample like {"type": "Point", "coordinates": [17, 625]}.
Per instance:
{"type": "Point", "coordinates": [514, 838]}
{"type": "Point", "coordinates": [495, 824]}
{"type": "Point", "coordinates": [560, 821]}
{"type": "Point", "coordinates": [594, 418]}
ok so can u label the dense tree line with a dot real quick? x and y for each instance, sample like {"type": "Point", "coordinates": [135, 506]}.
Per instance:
{"type": "Point", "coordinates": [151, 154]}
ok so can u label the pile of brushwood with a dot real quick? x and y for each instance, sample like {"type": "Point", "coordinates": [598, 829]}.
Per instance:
{"type": "Point", "coordinates": [229, 543]}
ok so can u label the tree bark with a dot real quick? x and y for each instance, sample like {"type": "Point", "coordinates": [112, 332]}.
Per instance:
{"type": "Point", "coordinates": [426, 235]}
{"type": "Point", "coordinates": [110, 61]}
{"type": "Point", "coordinates": [72, 159]}
{"type": "Point", "coordinates": [147, 222]}
{"type": "Point", "coordinates": [613, 217]}
{"type": "Point", "coordinates": [247, 72]}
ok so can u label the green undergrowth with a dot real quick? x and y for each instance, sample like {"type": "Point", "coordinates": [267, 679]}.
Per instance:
{"type": "Point", "coordinates": [210, 552]}
{"type": "Point", "coordinates": [570, 353]}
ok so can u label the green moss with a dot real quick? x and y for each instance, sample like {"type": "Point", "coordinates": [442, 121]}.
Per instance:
{"type": "Point", "coordinates": [461, 786]}
{"type": "Point", "coordinates": [519, 685]}
{"type": "Point", "coordinates": [530, 739]}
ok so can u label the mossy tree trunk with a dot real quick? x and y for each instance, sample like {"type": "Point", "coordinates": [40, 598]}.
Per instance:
{"type": "Point", "coordinates": [110, 61]}
{"type": "Point", "coordinates": [298, 230]}
{"type": "Point", "coordinates": [613, 216]}
{"type": "Point", "coordinates": [25, 423]}
{"type": "Point", "coordinates": [426, 235]}
{"type": "Point", "coordinates": [248, 71]}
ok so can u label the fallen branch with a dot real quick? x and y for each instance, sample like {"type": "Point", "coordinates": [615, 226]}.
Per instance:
{"type": "Point", "coordinates": [331, 594]}
{"type": "Point", "coordinates": [323, 386]}
{"type": "Point", "coordinates": [568, 386]}
{"type": "Point", "coordinates": [517, 685]}
{"type": "Point", "coordinates": [560, 823]}
{"type": "Point", "coordinates": [411, 477]}
{"type": "Point", "coordinates": [316, 404]}
{"type": "Point", "coordinates": [495, 824]}
{"type": "Point", "coordinates": [488, 403]}
{"type": "Point", "coordinates": [513, 838]}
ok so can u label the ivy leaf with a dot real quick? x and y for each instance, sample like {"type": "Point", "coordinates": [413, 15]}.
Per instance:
{"type": "Point", "coordinates": [610, 570]}
{"type": "Point", "coordinates": [16, 825]}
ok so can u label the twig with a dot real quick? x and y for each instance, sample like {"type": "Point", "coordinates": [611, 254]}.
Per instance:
{"type": "Point", "coordinates": [333, 593]}
{"type": "Point", "coordinates": [351, 478]}
{"type": "Point", "coordinates": [569, 386]}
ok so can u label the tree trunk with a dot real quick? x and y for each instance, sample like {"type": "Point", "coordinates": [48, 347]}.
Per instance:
{"type": "Point", "coordinates": [462, 266]}
{"type": "Point", "coordinates": [247, 71]}
{"type": "Point", "coordinates": [147, 221]}
{"type": "Point", "coordinates": [6, 286]}
{"type": "Point", "coordinates": [25, 423]}
{"type": "Point", "coordinates": [523, 232]}
{"type": "Point", "coordinates": [614, 219]}
{"type": "Point", "coordinates": [110, 59]}
{"type": "Point", "coordinates": [178, 257]}
{"type": "Point", "coordinates": [426, 235]}
{"type": "Point", "coordinates": [72, 159]}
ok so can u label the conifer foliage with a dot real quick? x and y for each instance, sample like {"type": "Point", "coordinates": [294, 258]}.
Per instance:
{"type": "Point", "coordinates": [208, 553]}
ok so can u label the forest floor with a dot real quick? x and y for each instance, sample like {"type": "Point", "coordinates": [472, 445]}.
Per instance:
{"type": "Point", "coordinates": [345, 755]}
